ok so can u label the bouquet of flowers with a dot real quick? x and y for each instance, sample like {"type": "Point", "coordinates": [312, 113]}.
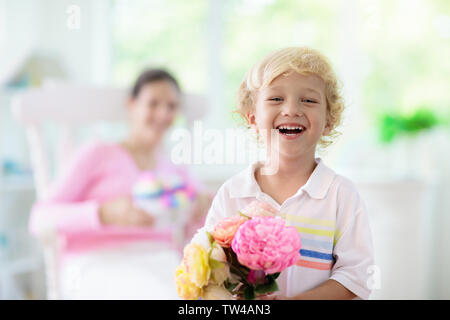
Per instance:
{"type": "Point", "coordinates": [241, 258]}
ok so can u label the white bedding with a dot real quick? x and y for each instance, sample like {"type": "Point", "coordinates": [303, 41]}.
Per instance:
{"type": "Point", "coordinates": [134, 271]}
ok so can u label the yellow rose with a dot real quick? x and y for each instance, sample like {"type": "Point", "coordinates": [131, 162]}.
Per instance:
{"type": "Point", "coordinates": [196, 260]}
{"type": "Point", "coordinates": [185, 288]}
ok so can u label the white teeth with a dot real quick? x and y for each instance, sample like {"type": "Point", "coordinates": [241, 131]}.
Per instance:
{"type": "Point", "coordinates": [291, 128]}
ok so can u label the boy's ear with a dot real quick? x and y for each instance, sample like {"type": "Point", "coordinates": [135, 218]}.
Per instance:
{"type": "Point", "coordinates": [327, 129]}
{"type": "Point", "coordinates": [251, 119]}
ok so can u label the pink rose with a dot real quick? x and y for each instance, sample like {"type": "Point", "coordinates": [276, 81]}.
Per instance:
{"type": "Point", "coordinates": [225, 230]}
{"type": "Point", "coordinates": [266, 243]}
{"type": "Point", "coordinates": [260, 209]}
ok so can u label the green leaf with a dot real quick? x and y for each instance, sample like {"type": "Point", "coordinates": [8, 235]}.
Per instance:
{"type": "Point", "coordinates": [214, 264]}
{"type": "Point", "coordinates": [243, 215]}
{"type": "Point", "coordinates": [275, 275]}
{"type": "Point", "coordinates": [213, 245]}
{"type": "Point", "coordinates": [249, 293]}
{"type": "Point", "coordinates": [270, 286]}
{"type": "Point", "coordinates": [210, 237]}
{"type": "Point", "coordinates": [230, 286]}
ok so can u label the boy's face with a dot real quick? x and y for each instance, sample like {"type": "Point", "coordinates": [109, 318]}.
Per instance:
{"type": "Point", "coordinates": [295, 106]}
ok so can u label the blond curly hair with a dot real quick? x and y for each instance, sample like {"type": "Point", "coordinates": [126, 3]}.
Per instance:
{"type": "Point", "coordinates": [304, 61]}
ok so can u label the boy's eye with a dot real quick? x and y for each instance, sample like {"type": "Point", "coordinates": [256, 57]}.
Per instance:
{"type": "Point", "coordinates": [309, 100]}
{"type": "Point", "coordinates": [276, 99]}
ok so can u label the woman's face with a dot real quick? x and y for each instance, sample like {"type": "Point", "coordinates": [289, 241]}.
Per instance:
{"type": "Point", "coordinates": [153, 110]}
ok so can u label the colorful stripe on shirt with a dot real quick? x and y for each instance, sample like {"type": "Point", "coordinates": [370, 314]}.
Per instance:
{"type": "Point", "coordinates": [324, 245]}
{"type": "Point", "coordinates": [313, 264]}
{"type": "Point", "coordinates": [316, 253]}
{"type": "Point", "coordinates": [308, 259]}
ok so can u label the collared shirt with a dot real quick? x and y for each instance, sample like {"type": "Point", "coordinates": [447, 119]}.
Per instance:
{"type": "Point", "coordinates": [331, 218]}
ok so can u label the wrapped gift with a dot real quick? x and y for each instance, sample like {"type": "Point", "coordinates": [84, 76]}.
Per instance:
{"type": "Point", "coordinates": [166, 195]}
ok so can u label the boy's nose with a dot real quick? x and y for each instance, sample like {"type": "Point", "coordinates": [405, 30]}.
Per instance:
{"type": "Point", "coordinates": [290, 108]}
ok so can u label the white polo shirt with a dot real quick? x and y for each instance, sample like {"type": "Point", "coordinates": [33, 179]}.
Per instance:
{"type": "Point", "coordinates": [331, 218]}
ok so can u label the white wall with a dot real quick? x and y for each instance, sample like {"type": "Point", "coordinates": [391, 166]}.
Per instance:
{"type": "Point", "coordinates": [40, 27]}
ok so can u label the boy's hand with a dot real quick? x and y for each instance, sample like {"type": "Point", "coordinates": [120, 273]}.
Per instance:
{"type": "Point", "coordinates": [272, 296]}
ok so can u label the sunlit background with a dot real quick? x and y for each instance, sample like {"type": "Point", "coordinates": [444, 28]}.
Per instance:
{"type": "Point", "coordinates": [393, 58]}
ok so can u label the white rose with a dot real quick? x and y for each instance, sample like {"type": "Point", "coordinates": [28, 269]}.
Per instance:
{"type": "Point", "coordinates": [213, 292]}
{"type": "Point", "coordinates": [234, 278]}
{"type": "Point", "coordinates": [219, 275]}
{"type": "Point", "coordinates": [218, 253]}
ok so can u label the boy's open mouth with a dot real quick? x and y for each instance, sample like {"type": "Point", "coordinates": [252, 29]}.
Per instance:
{"type": "Point", "coordinates": [291, 131]}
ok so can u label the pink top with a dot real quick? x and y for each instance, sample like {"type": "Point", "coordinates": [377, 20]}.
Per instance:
{"type": "Point", "coordinates": [98, 173]}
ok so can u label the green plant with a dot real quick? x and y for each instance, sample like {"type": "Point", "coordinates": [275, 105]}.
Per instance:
{"type": "Point", "coordinates": [394, 124]}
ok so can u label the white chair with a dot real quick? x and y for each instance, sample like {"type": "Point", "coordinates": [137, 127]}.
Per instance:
{"type": "Point", "coordinates": [70, 107]}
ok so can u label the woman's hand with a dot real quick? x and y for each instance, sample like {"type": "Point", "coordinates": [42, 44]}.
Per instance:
{"type": "Point", "coordinates": [122, 212]}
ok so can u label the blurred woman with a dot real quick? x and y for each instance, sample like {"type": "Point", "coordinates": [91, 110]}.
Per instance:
{"type": "Point", "coordinates": [92, 210]}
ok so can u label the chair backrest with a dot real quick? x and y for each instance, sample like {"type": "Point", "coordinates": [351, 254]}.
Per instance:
{"type": "Point", "coordinates": [70, 107]}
